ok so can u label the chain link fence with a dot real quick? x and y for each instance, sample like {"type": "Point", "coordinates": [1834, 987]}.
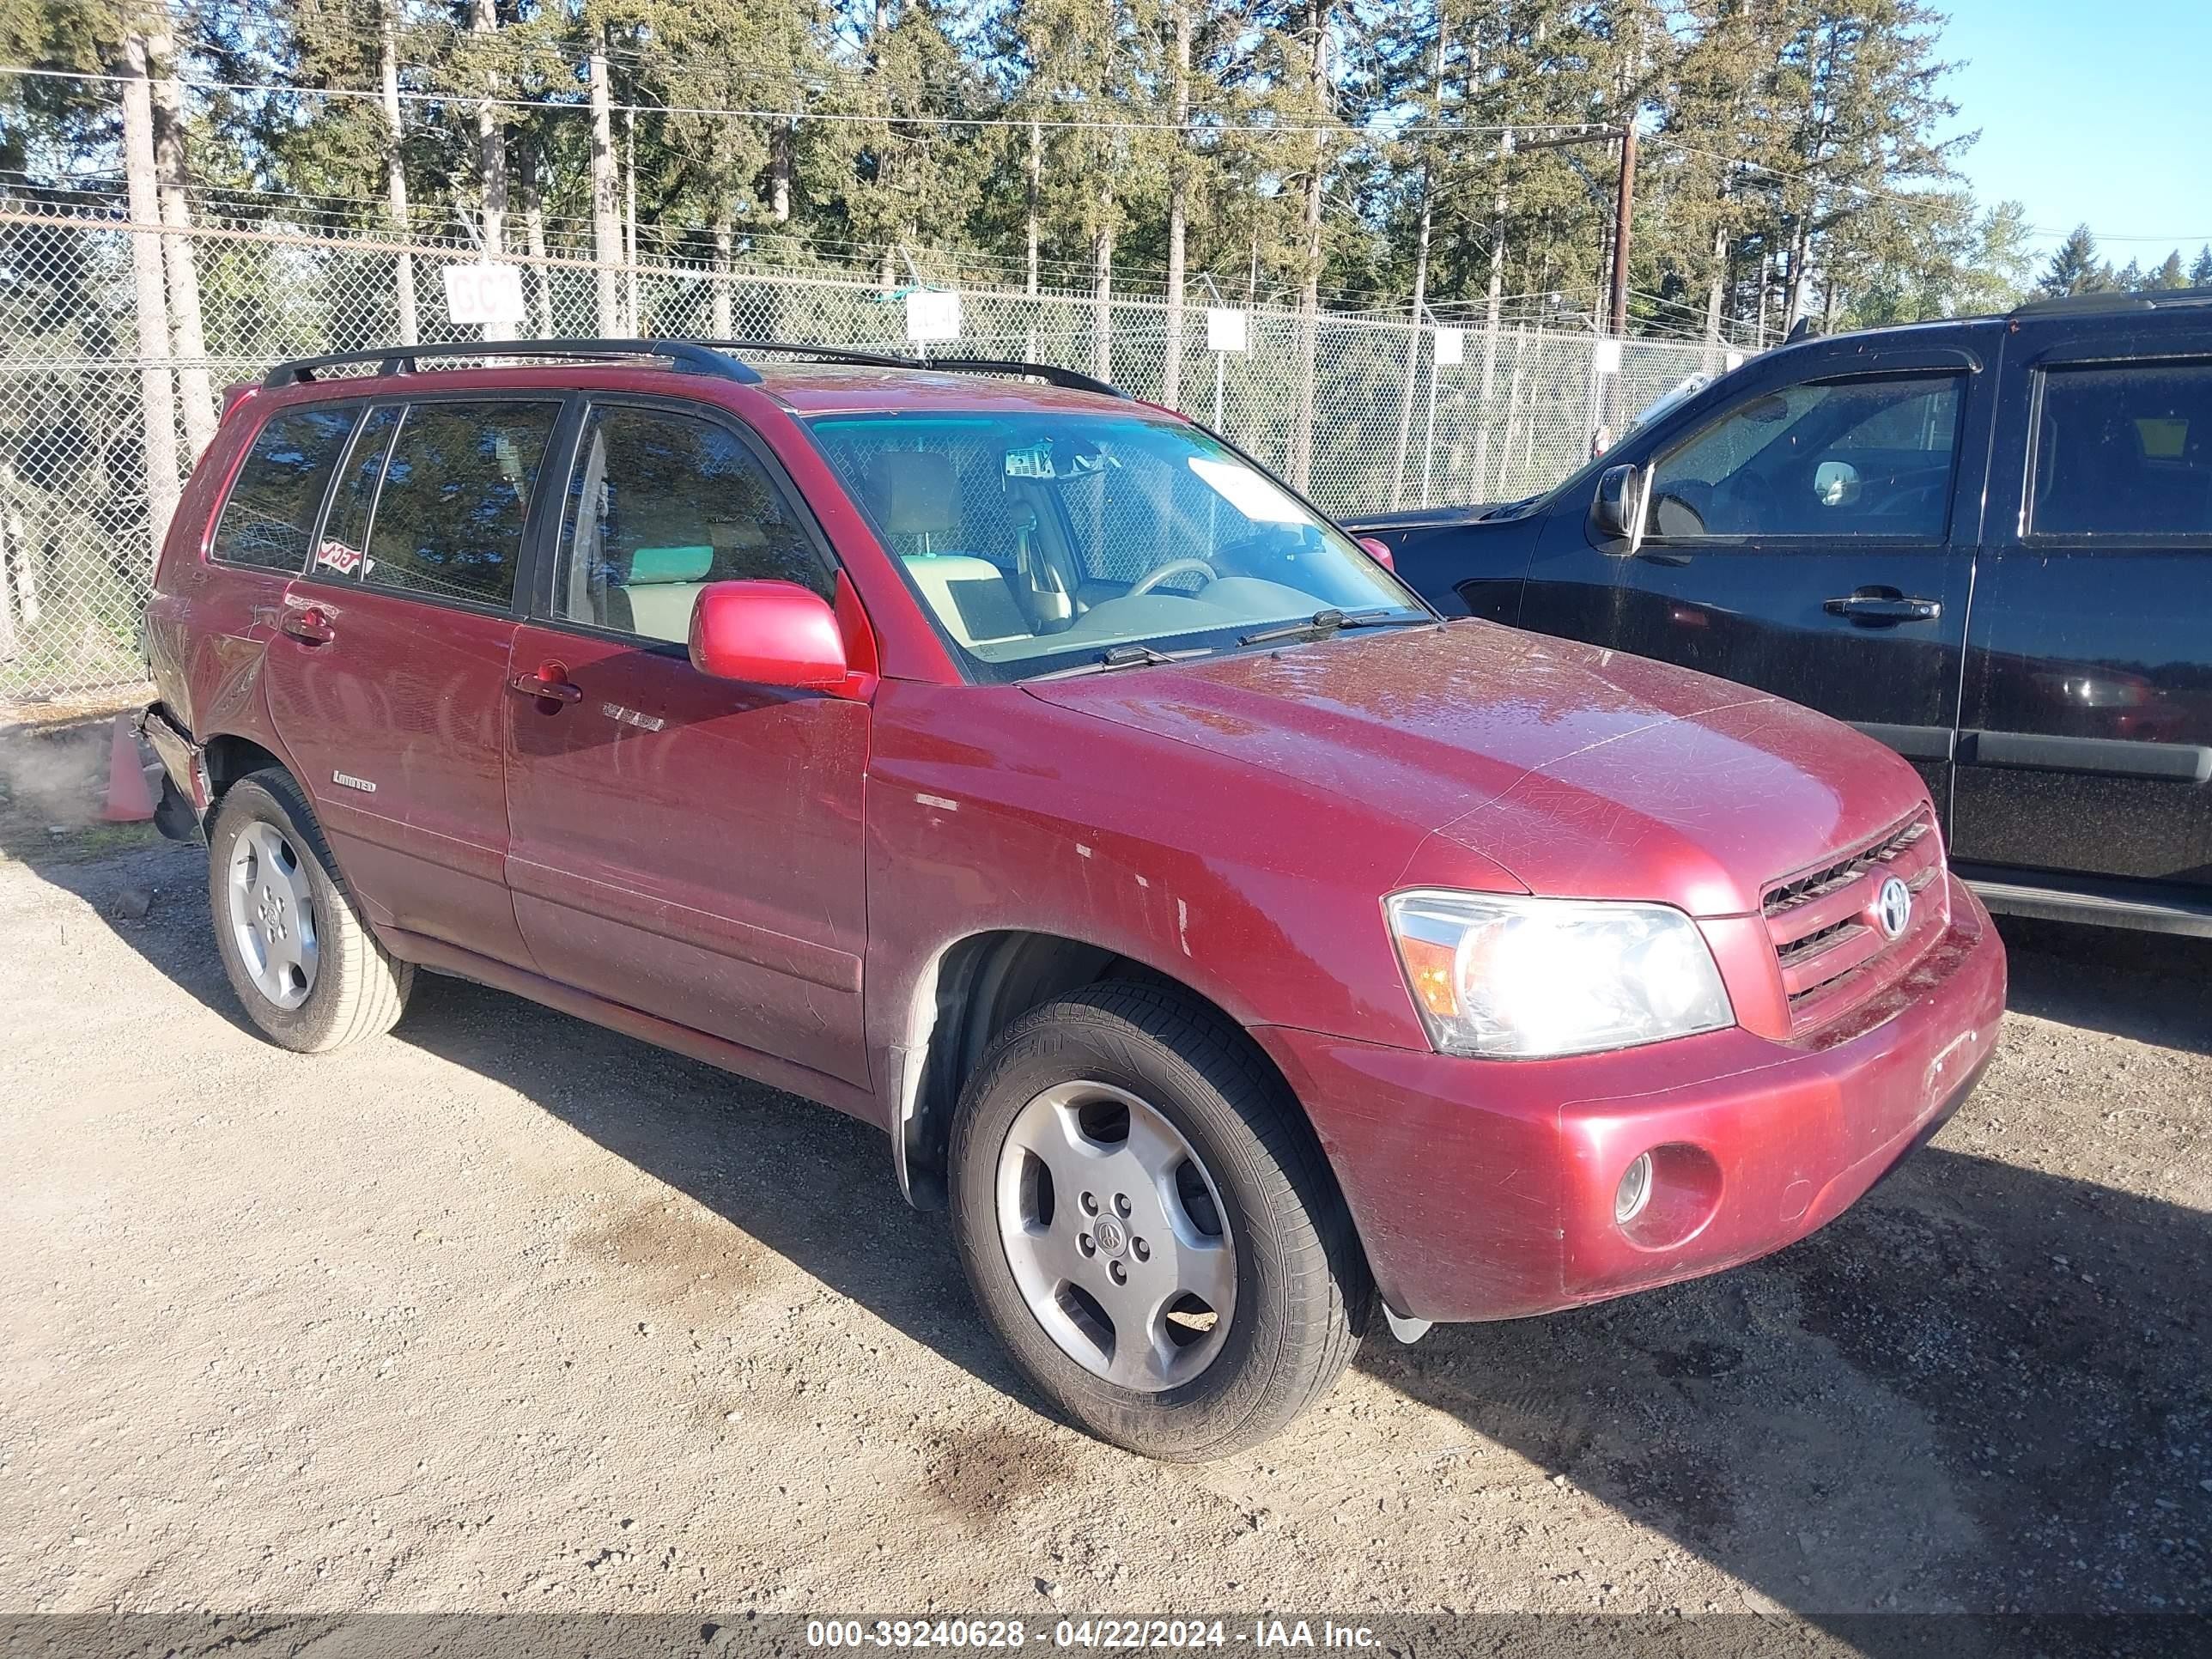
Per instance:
{"type": "Point", "coordinates": [1387, 423]}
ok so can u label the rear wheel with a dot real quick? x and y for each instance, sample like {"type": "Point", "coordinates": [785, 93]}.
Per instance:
{"type": "Point", "coordinates": [1150, 1226]}
{"type": "Point", "coordinates": [311, 974]}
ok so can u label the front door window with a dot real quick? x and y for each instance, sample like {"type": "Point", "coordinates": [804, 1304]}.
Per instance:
{"type": "Point", "coordinates": [1830, 458]}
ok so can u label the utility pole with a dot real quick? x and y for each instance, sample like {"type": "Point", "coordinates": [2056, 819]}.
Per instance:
{"type": "Point", "coordinates": [1623, 203]}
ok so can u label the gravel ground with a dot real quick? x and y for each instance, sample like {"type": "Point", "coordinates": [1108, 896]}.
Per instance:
{"type": "Point", "coordinates": [505, 1312]}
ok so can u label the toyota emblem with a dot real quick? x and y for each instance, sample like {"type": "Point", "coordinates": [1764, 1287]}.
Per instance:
{"type": "Point", "coordinates": [1892, 907]}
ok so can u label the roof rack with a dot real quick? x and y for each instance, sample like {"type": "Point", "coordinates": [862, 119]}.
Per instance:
{"type": "Point", "coordinates": [2114, 300]}
{"type": "Point", "coordinates": [1049, 373]}
{"type": "Point", "coordinates": [711, 357]}
{"type": "Point", "coordinates": [689, 355]}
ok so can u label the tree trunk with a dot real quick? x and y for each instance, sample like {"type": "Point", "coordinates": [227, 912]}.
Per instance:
{"type": "Point", "coordinates": [1801, 236]}
{"type": "Point", "coordinates": [533, 231]}
{"type": "Point", "coordinates": [1035, 183]}
{"type": "Point", "coordinates": [15, 534]}
{"type": "Point", "coordinates": [725, 325]}
{"type": "Point", "coordinates": [606, 227]}
{"type": "Point", "coordinates": [491, 161]}
{"type": "Point", "coordinates": [1102, 298]}
{"type": "Point", "coordinates": [1715, 291]}
{"type": "Point", "coordinates": [1420, 279]}
{"type": "Point", "coordinates": [782, 143]}
{"type": "Point", "coordinates": [395, 168]}
{"type": "Point", "coordinates": [1302, 433]}
{"type": "Point", "coordinates": [1413, 342]}
{"type": "Point", "coordinates": [7, 598]}
{"type": "Point", "coordinates": [195, 389]}
{"type": "Point", "coordinates": [631, 323]}
{"type": "Point", "coordinates": [158, 410]}
{"type": "Point", "coordinates": [1178, 210]}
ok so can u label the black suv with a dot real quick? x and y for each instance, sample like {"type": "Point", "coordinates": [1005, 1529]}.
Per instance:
{"type": "Point", "coordinates": [1986, 542]}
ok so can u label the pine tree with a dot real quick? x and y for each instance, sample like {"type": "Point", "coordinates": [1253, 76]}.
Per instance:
{"type": "Point", "coordinates": [2200, 274]}
{"type": "Point", "coordinates": [2074, 268]}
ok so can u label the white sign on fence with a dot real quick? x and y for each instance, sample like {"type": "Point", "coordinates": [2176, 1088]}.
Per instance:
{"type": "Point", "coordinates": [1607, 358]}
{"type": "Point", "coordinates": [484, 293]}
{"type": "Point", "coordinates": [932, 314]}
{"type": "Point", "coordinates": [1451, 346]}
{"type": "Point", "coordinates": [1225, 329]}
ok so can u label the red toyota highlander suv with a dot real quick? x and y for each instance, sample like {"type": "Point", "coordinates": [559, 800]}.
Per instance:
{"type": "Point", "coordinates": [1228, 942]}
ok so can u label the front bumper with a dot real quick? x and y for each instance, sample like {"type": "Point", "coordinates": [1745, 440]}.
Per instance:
{"type": "Point", "coordinates": [1484, 1189]}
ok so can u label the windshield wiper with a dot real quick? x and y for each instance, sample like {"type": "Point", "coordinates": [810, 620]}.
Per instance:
{"type": "Point", "coordinates": [1329, 622]}
{"type": "Point", "coordinates": [1137, 655]}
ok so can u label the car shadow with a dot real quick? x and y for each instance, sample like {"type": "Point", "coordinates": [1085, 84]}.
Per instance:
{"type": "Point", "coordinates": [2149, 987]}
{"type": "Point", "coordinates": [1987, 1388]}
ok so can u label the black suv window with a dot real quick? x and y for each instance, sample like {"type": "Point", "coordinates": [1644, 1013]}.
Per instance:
{"type": "Point", "coordinates": [2124, 450]}
{"type": "Point", "coordinates": [271, 510]}
{"type": "Point", "coordinates": [456, 492]}
{"type": "Point", "coordinates": [1848, 458]}
{"type": "Point", "coordinates": [659, 505]}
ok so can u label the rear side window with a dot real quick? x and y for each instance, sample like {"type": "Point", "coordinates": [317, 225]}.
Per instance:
{"type": "Point", "coordinates": [345, 527]}
{"type": "Point", "coordinates": [456, 493]}
{"type": "Point", "coordinates": [271, 510]}
{"type": "Point", "coordinates": [2124, 451]}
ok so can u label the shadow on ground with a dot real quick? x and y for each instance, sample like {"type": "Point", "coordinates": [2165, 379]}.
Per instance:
{"type": "Point", "coordinates": [1985, 1387]}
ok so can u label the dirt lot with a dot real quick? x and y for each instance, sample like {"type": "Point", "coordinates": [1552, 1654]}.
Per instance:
{"type": "Point", "coordinates": [503, 1312]}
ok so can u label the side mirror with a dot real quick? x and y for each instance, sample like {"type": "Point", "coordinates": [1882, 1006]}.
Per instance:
{"type": "Point", "coordinates": [1618, 514]}
{"type": "Point", "coordinates": [1378, 551]}
{"type": "Point", "coordinates": [767, 633]}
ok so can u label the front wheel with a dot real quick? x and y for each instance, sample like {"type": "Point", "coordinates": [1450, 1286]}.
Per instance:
{"type": "Point", "coordinates": [312, 977]}
{"type": "Point", "coordinates": [1151, 1227]}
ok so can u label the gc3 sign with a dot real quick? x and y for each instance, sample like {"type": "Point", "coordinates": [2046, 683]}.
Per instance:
{"type": "Point", "coordinates": [484, 293]}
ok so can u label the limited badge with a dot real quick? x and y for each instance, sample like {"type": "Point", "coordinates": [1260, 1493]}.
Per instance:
{"type": "Point", "coordinates": [1892, 907]}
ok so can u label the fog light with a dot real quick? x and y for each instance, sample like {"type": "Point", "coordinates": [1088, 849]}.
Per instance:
{"type": "Point", "coordinates": [1634, 1191]}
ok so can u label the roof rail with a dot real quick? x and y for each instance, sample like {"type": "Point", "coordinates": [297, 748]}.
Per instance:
{"type": "Point", "coordinates": [1049, 373]}
{"type": "Point", "coordinates": [2114, 300]}
{"type": "Point", "coordinates": [689, 355]}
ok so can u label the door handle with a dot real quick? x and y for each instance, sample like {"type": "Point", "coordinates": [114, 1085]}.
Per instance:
{"type": "Point", "coordinates": [551, 684]}
{"type": "Point", "coordinates": [1889, 607]}
{"type": "Point", "coordinates": [310, 625]}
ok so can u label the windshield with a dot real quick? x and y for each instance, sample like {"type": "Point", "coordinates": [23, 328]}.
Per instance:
{"type": "Point", "coordinates": [1041, 540]}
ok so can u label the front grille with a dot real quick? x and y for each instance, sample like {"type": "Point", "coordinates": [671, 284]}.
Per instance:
{"type": "Point", "coordinates": [1830, 947]}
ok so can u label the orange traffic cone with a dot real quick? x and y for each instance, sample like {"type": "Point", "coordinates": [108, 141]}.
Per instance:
{"type": "Point", "coordinates": [128, 800]}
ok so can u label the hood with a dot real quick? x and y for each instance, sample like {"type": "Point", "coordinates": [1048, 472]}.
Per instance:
{"type": "Point", "coordinates": [1583, 772]}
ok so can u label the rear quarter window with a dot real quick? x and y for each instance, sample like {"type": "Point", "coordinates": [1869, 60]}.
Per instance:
{"type": "Point", "coordinates": [272, 511]}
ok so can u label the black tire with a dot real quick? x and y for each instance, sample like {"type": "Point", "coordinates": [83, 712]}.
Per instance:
{"type": "Point", "coordinates": [359, 988]}
{"type": "Point", "coordinates": [1302, 1288]}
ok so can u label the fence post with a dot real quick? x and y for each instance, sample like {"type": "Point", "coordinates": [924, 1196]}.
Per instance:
{"type": "Point", "coordinates": [157, 398]}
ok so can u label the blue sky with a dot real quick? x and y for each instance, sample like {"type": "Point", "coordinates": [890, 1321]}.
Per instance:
{"type": "Point", "coordinates": [2095, 111]}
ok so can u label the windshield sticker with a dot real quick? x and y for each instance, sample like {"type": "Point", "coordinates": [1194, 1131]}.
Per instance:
{"type": "Point", "coordinates": [1248, 492]}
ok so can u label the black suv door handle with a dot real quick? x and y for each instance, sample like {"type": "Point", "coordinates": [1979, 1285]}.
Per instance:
{"type": "Point", "coordinates": [1886, 605]}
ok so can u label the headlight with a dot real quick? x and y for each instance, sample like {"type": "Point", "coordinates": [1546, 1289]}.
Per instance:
{"type": "Point", "coordinates": [1524, 977]}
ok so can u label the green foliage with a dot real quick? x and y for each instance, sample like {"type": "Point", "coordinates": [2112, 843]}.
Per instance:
{"type": "Point", "coordinates": [1791, 161]}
